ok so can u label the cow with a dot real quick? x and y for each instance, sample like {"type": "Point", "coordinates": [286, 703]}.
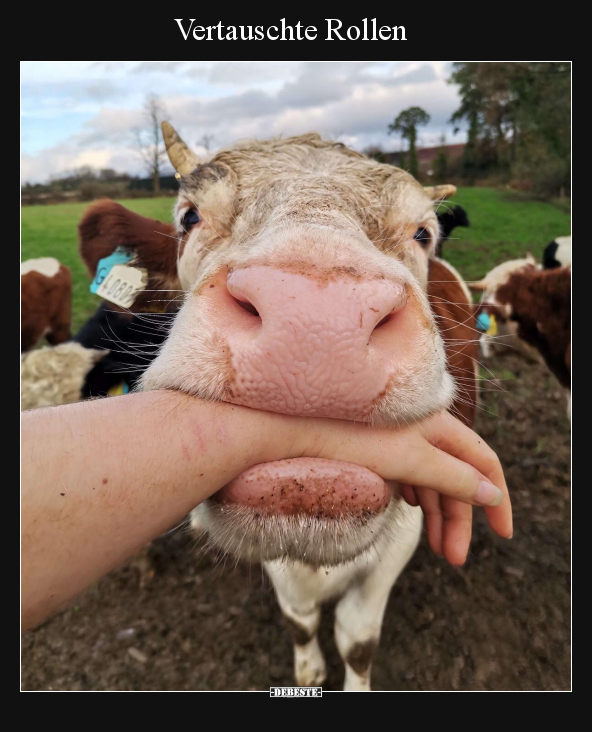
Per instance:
{"type": "Point", "coordinates": [448, 220]}
{"type": "Point", "coordinates": [55, 375]}
{"type": "Point", "coordinates": [305, 267]}
{"type": "Point", "coordinates": [557, 253]}
{"type": "Point", "coordinates": [46, 302]}
{"type": "Point", "coordinates": [534, 304]}
{"type": "Point", "coordinates": [504, 333]}
{"type": "Point", "coordinates": [452, 306]}
{"type": "Point", "coordinates": [132, 336]}
{"type": "Point", "coordinates": [130, 340]}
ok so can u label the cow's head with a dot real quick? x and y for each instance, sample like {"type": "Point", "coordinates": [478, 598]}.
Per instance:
{"type": "Point", "coordinates": [461, 217]}
{"type": "Point", "coordinates": [494, 286]}
{"type": "Point", "coordinates": [305, 269]}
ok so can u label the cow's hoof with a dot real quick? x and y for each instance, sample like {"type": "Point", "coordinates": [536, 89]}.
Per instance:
{"type": "Point", "coordinates": [355, 682]}
{"type": "Point", "coordinates": [309, 665]}
{"type": "Point", "coordinates": [142, 563]}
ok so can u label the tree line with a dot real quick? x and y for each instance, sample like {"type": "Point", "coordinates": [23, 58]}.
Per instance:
{"type": "Point", "coordinates": [517, 117]}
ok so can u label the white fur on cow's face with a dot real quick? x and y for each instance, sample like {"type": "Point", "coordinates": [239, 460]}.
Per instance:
{"type": "Point", "coordinates": [244, 533]}
{"type": "Point", "coordinates": [383, 207]}
{"type": "Point", "coordinates": [210, 239]}
{"type": "Point", "coordinates": [295, 203]}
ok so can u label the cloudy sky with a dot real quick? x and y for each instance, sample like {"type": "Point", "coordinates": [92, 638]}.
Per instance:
{"type": "Point", "coordinates": [83, 112]}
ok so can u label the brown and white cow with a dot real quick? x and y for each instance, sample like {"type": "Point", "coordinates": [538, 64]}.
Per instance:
{"type": "Point", "coordinates": [46, 302]}
{"type": "Point", "coordinates": [506, 330]}
{"type": "Point", "coordinates": [535, 306]}
{"type": "Point", "coordinates": [452, 305]}
{"type": "Point", "coordinates": [305, 267]}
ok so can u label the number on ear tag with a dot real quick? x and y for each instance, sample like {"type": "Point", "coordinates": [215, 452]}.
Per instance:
{"type": "Point", "coordinates": [122, 284]}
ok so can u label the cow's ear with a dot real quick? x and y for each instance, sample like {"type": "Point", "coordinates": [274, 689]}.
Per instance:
{"type": "Point", "coordinates": [478, 286]}
{"type": "Point", "coordinates": [107, 225]}
{"type": "Point", "coordinates": [439, 193]}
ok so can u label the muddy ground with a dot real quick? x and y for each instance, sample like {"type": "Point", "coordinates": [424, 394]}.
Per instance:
{"type": "Point", "coordinates": [502, 622]}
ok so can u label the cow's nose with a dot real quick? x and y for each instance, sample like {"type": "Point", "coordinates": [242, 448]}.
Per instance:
{"type": "Point", "coordinates": [309, 343]}
{"type": "Point", "coordinates": [346, 308]}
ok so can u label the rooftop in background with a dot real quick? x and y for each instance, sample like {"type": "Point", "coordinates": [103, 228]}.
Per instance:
{"type": "Point", "coordinates": [426, 156]}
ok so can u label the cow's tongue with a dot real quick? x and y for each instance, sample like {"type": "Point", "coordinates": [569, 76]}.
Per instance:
{"type": "Point", "coordinates": [311, 486]}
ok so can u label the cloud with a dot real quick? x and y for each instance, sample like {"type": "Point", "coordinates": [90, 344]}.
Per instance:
{"type": "Point", "coordinates": [352, 101]}
{"type": "Point", "coordinates": [62, 158]}
{"type": "Point", "coordinates": [332, 101]}
{"type": "Point", "coordinates": [114, 126]}
{"type": "Point", "coordinates": [248, 72]}
{"type": "Point", "coordinates": [67, 157]}
{"type": "Point", "coordinates": [102, 90]}
{"type": "Point", "coordinates": [152, 67]}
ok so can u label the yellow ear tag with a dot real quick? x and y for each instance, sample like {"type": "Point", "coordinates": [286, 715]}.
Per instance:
{"type": "Point", "coordinates": [119, 389]}
{"type": "Point", "coordinates": [492, 330]}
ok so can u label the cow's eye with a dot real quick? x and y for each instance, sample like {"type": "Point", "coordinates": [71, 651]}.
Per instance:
{"type": "Point", "coordinates": [422, 236]}
{"type": "Point", "coordinates": [190, 219]}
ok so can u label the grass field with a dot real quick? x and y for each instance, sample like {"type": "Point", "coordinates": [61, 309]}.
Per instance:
{"type": "Point", "coordinates": [500, 229]}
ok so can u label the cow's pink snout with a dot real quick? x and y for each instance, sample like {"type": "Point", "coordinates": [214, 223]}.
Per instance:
{"type": "Point", "coordinates": [309, 344]}
{"type": "Point", "coordinates": [314, 343]}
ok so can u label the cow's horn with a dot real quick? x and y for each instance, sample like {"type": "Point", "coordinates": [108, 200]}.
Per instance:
{"type": "Point", "coordinates": [478, 286]}
{"type": "Point", "coordinates": [437, 193]}
{"type": "Point", "coordinates": [181, 157]}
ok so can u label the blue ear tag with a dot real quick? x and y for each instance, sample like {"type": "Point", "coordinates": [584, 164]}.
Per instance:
{"type": "Point", "coordinates": [483, 321]}
{"type": "Point", "coordinates": [119, 256]}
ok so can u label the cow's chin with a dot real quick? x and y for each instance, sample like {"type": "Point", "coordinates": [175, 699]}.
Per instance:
{"type": "Point", "coordinates": [319, 542]}
{"type": "Point", "coordinates": [302, 529]}
{"type": "Point", "coordinates": [318, 512]}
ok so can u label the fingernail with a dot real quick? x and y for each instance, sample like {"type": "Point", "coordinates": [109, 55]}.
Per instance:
{"type": "Point", "coordinates": [488, 494]}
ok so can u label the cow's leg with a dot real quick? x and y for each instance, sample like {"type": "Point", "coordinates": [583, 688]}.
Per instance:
{"type": "Point", "coordinates": [302, 615]}
{"type": "Point", "coordinates": [61, 324]}
{"type": "Point", "coordinates": [359, 613]}
{"type": "Point", "coordinates": [142, 563]}
{"type": "Point", "coordinates": [309, 664]}
{"type": "Point", "coordinates": [358, 619]}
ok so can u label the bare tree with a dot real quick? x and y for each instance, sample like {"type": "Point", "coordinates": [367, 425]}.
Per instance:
{"type": "Point", "coordinates": [206, 141]}
{"type": "Point", "coordinates": [148, 140]}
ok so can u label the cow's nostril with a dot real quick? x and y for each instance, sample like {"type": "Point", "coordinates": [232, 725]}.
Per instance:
{"type": "Point", "coordinates": [247, 306]}
{"type": "Point", "coordinates": [384, 321]}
